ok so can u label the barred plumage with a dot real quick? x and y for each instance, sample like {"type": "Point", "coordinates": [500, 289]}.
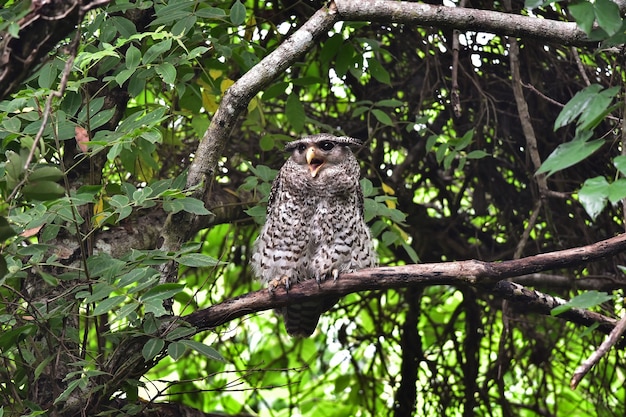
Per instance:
{"type": "Point", "coordinates": [315, 227]}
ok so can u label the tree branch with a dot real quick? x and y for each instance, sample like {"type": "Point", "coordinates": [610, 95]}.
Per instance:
{"type": "Point", "coordinates": [472, 272]}
{"type": "Point", "coordinates": [459, 18]}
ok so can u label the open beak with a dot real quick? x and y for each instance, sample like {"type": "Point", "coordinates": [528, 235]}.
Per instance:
{"type": "Point", "coordinates": [314, 160]}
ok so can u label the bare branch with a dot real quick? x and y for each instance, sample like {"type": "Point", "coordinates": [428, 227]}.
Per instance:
{"type": "Point", "coordinates": [595, 357]}
{"type": "Point", "coordinates": [566, 33]}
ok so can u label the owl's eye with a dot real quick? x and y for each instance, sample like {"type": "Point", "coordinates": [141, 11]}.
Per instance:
{"type": "Point", "coordinates": [326, 146]}
{"type": "Point", "coordinates": [301, 147]}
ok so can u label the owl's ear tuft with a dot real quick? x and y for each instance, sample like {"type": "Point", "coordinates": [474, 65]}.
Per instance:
{"type": "Point", "coordinates": [351, 141]}
{"type": "Point", "coordinates": [290, 146]}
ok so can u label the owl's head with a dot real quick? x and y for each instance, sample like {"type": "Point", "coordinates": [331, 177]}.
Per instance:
{"type": "Point", "coordinates": [323, 152]}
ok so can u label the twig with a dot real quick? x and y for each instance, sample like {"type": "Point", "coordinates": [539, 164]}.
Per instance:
{"type": "Point", "coordinates": [580, 66]}
{"type": "Point", "coordinates": [608, 343]}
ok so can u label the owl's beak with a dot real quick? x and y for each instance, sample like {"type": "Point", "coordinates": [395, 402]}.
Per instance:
{"type": "Point", "coordinates": [314, 160]}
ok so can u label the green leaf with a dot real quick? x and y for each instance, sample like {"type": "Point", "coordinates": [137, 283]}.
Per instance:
{"type": "Point", "coordinates": [152, 348]}
{"type": "Point", "coordinates": [620, 163]}
{"type": "Point", "coordinates": [267, 143]}
{"type": "Point", "coordinates": [125, 310]}
{"type": "Point", "coordinates": [392, 102]}
{"type": "Point", "coordinates": [583, 13]}
{"type": "Point", "coordinates": [205, 350]}
{"type": "Point", "coordinates": [197, 260]}
{"type": "Point", "coordinates": [608, 15]}
{"type": "Point", "coordinates": [237, 13]}
{"type": "Point", "coordinates": [103, 265]}
{"type": "Point", "coordinates": [46, 173]}
{"type": "Point", "coordinates": [210, 13]}
{"type": "Point", "coordinates": [101, 118]}
{"type": "Point", "coordinates": [162, 292]}
{"type": "Point", "coordinates": [180, 332]}
{"type": "Point", "coordinates": [189, 204]}
{"type": "Point", "coordinates": [367, 187]}
{"type": "Point", "coordinates": [47, 76]}
{"type": "Point", "coordinates": [133, 57]}
{"type": "Point", "coordinates": [585, 300]}
{"type": "Point", "coordinates": [6, 231]}
{"type": "Point", "coordinates": [593, 195]}
{"type": "Point", "coordinates": [382, 117]}
{"type": "Point", "coordinates": [264, 172]}
{"type": "Point", "coordinates": [577, 105]}
{"type": "Point", "coordinates": [193, 205]}
{"type": "Point", "coordinates": [9, 338]}
{"type": "Point", "coordinates": [568, 154]}
{"type": "Point", "coordinates": [43, 191]}
{"type": "Point", "coordinates": [533, 4]}
{"type": "Point", "coordinates": [66, 393]}
{"type": "Point", "coordinates": [107, 305]}
{"type": "Point", "coordinates": [617, 190]}
{"type": "Point", "coordinates": [378, 71]}
{"type": "Point", "coordinates": [294, 110]}
{"type": "Point", "coordinates": [123, 76]}
{"type": "Point", "coordinates": [184, 25]}
{"type": "Point", "coordinates": [100, 291]}
{"type": "Point", "coordinates": [598, 109]}
{"type": "Point", "coordinates": [477, 154]}
{"type": "Point", "coordinates": [176, 350]}
{"type": "Point", "coordinates": [154, 307]}
{"type": "Point", "coordinates": [167, 72]}
{"type": "Point", "coordinates": [11, 124]}
{"type": "Point", "coordinates": [156, 50]}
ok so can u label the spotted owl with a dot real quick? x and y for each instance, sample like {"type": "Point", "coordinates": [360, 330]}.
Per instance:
{"type": "Point", "coordinates": [315, 227]}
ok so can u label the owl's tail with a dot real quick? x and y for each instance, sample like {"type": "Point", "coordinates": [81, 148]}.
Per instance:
{"type": "Point", "coordinates": [301, 319]}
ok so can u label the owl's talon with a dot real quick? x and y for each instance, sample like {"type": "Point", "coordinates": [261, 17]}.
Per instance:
{"type": "Point", "coordinates": [277, 282]}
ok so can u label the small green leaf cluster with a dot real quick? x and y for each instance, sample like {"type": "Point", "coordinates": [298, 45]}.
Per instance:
{"type": "Point", "coordinates": [450, 149]}
{"type": "Point", "coordinates": [387, 221]}
{"type": "Point", "coordinates": [379, 110]}
{"type": "Point", "coordinates": [587, 108]}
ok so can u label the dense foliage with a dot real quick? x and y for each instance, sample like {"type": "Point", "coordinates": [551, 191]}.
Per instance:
{"type": "Point", "coordinates": [477, 146]}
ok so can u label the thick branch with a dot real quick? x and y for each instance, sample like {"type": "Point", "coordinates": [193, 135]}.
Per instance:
{"type": "Point", "coordinates": [499, 23]}
{"type": "Point", "coordinates": [450, 273]}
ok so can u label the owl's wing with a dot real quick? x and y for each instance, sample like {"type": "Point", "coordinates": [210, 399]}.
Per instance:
{"type": "Point", "coordinates": [274, 191]}
{"type": "Point", "coordinates": [359, 192]}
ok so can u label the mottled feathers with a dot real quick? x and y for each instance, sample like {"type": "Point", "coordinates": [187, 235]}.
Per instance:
{"type": "Point", "coordinates": [314, 227]}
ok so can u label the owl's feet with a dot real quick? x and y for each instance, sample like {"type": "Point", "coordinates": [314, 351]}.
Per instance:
{"type": "Point", "coordinates": [282, 280]}
{"type": "Point", "coordinates": [334, 273]}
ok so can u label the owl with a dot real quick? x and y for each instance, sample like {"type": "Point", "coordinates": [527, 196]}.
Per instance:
{"type": "Point", "coordinates": [315, 227]}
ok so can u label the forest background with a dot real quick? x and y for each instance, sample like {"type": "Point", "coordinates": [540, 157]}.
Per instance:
{"type": "Point", "coordinates": [140, 141]}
